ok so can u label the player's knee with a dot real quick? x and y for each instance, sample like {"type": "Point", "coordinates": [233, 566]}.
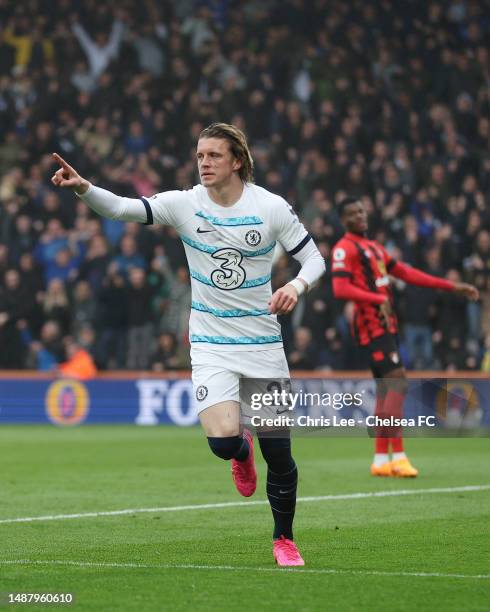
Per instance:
{"type": "Point", "coordinates": [225, 447]}
{"type": "Point", "coordinates": [221, 430]}
{"type": "Point", "coordinates": [277, 454]}
{"type": "Point", "coordinates": [397, 381]}
{"type": "Point", "coordinates": [399, 385]}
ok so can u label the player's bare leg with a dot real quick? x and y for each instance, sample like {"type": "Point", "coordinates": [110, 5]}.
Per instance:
{"type": "Point", "coordinates": [221, 420]}
{"type": "Point", "coordinates": [221, 424]}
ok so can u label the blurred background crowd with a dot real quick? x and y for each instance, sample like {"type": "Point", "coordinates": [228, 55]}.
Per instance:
{"type": "Point", "coordinates": [388, 101]}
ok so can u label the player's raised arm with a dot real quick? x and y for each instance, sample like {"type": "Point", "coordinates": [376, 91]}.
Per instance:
{"type": "Point", "coordinates": [67, 176]}
{"type": "Point", "coordinates": [103, 202]}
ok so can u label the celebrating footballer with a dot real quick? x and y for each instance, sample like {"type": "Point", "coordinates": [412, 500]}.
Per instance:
{"type": "Point", "coordinates": [229, 227]}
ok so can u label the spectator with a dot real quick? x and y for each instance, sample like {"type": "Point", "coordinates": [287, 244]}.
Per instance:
{"type": "Point", "coordinates": [112, 321]}
{"type": "Point", "coordinates": [165, 356]}
{"type": "Point", "coordinates": [33, 284]}
{"type": "Point", "coordinates": [31, 48]}
{"type": "Point", "coordinates": [44, 354]}
{"type": "Point", "coordinates": [477, 267]}
{"type": "Point", "coordinates": [95, 135]}
{"type": "Point", "coordinates": [136, 141]}
{"type": "Point", "coordinates": [64, 267]}
{"type": "Point", "coordinates": [83, 308]}
{"type": "Point", "coordinates": [129, 257]}
{"type": "Point", "coordinates": [15, 306]}
{"type": "Point", "coordinates": [148, 45]}
{"type": "Point", "coordinates": [52, 240]}
{"type": "Point", "coordinates": [23, 239]}
{"type": "Point", "coordinates": [303, 355]}
{"type": "Point", "coordinates": [417, 326]}
{"type": "Point", "coordinates": [332, 355]}
{"type": "Point", "coordinates": [175, 315]}
{"type": "Point", "coordinates": [56, 305]}
{"type": "Point", "coordinates": [451, 327]}
{"type": "Point", "coordinates": [94, 266]}
{"type": "Point", "coordinates": [140, 320]}
{"type": "Point", "coordinates": [79, 363]}
{"type": "Point", "coordinates": [51, 209]}
{"type": "Point", "coordinates": [101, 51]}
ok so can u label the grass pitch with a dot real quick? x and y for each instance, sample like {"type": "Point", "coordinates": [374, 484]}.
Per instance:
{"type": "Point", "coordinates": [400, 552]}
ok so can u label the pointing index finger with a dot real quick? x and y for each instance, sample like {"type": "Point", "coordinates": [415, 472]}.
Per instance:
{"type": "Point", "coordinates": [61, 161]}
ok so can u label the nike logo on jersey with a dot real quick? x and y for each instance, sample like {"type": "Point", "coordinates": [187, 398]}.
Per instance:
{"type": "Point", "coordinates": [282, 411]}
{"type": "Point", "coordinates": [203, 231]}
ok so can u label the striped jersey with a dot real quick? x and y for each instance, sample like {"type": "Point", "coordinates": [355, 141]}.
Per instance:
{"type": "Point", "coordinates": [229, 251]}
{"type": "Point", "coordinates": [367, 264]}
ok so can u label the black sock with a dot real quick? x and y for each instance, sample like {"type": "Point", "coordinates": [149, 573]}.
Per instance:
{"type": "Point", "coordinates": [282, 479]}
{"type": "Point", "coordinates": [243, 452]}
{"type": "Point", "coordinates": [233, 447]}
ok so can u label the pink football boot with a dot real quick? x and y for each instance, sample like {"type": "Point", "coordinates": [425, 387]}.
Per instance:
{"type": "Point", "coordinates": [243, 472]}
{"type": "Point", "coordinates": [286, 552]}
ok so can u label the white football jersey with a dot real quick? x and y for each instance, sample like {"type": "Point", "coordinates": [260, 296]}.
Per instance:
{"type": "Point", "coordinates": [229, 251]}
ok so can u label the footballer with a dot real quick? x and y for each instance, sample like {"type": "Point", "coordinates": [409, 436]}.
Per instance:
{"type": "Point", "coordinates": [361, 270]}
{"type": "Point", "coordinates": [229, 227]}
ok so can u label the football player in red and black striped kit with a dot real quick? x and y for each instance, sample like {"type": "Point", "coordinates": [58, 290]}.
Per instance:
{"type": "Point", "coordinates": [361, 270]}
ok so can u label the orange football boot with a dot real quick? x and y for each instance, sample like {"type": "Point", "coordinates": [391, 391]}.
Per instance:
{"type": "Point", "coordinates": [381, 470]}
{"type": "Point", "coordinates": [402, 468]}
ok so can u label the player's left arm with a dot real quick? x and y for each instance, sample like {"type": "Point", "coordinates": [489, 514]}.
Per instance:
{"type": "Point", "coordinates": [299, 244]}
{"type": "Point", "coordinates": [414, 276]}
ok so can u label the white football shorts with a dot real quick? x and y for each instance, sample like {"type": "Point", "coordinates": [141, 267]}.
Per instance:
{"type": "Point", "coordinates": [216, 376]}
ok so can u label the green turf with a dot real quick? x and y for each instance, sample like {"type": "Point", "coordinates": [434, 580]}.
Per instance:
{"type": "Point", "coordinates": [48, 471]}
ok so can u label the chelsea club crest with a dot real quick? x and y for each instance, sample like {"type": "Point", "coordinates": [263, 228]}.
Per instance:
{"type": "Point", "coordinates": [201, 393]}
{"type": "Point", "coordinates": [253, 238]}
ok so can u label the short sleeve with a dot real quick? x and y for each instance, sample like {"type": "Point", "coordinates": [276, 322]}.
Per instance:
{"type": "Point", "coordinates": [342, 260]}
{"type": "Point", "coordinates": [291, 233]}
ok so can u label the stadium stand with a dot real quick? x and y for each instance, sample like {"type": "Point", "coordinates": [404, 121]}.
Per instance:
{"type": "Point", "coordinates": [385, 101]}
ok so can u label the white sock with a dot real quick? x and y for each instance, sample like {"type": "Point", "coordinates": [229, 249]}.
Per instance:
{"type": "Point", "coordinates": [397, 456]}
{"type": "Point", "coordinates": [380, 459]}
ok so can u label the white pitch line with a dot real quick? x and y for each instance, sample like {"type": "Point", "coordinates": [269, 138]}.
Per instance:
{"type": "Point", "coordinates": [261, 502]}
{"type": "Point", "coordinates": [232, 568]}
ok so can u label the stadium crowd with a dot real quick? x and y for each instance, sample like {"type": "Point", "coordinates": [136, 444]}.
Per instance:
{"type": "Point", "coordinates": [388, 101]}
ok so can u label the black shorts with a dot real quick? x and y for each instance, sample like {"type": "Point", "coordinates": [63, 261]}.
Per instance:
{"type": "Point", "coordinates": [383, 355]}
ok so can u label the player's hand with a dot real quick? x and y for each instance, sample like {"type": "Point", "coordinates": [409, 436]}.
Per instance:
{"type": "Point", "coordinates": [468, 291]}
{"type": "Point", "coordinates": [67, 176]}
{"type": "Point", "coordinates": [283, 300]}
{"type": "Point", "coordinates": [385, 312]}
